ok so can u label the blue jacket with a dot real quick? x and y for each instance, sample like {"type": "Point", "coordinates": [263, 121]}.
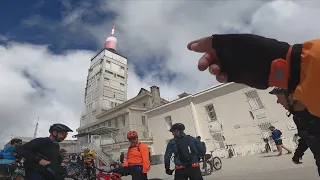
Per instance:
{"type": "Point", "coordinates": [173, 149]}
{"type": "Point", "coordinates": [8, 155]}
{"type": "Point", "coordinates": [276, 134]}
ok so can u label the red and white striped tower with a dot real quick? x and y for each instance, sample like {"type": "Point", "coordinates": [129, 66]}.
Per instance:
{"type": "Point", "coordinates": [111, 41]}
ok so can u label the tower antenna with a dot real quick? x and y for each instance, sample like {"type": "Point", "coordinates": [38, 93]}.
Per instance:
{"type": "Point", "coordinates": [36, 129]}
{"type": "Point", "coordinates": [111, 41]}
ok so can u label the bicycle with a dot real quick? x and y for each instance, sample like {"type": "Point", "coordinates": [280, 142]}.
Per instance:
{"type": "Point", "coordinates": [18, 172]}
{"type": "Point", "coordinates": [110, 175]}
{"type": "Point", "coordinates": [213, 161]}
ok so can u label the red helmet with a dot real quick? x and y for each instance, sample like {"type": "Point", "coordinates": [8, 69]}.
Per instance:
{"type": "Point", "coordinates": [132, 134]}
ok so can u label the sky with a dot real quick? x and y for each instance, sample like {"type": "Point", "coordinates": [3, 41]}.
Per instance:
{"type": "Point", "coordinates": [46, 47]}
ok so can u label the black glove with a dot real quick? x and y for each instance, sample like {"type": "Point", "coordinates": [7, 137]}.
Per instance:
{"type": "Point", "coordinates": [296, 159]}
{"type": "Point", "coordinates": [246, 58]}
{"type": "Point", "coordinates": [169, 171]}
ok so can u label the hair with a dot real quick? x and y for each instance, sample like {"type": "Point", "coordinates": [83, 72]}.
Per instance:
{"type": "Point", "coordinates": [271, 127]}
{"type": "Point", "coordinates": [199, 137]}
{"type": "Point", "coordinates": [13, 141]}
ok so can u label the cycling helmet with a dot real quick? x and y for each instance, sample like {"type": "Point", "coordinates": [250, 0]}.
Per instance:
{"type": "Point", "coordinates": [278, 91]}
{"type": "Point", "coordinates": [132, 134]}
{"type": "Point", "coordinates": [59, 128]}
{"type": "Point", "coordinates": [177, 126]}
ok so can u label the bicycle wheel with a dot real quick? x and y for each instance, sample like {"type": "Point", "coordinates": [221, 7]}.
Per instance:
{"type": "Point", "coordinates": [217, 163]}
{"type": "Point", "coordinates": [206, 169]}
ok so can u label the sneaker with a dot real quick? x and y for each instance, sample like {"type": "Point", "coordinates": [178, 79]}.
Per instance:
{"type": "Point", "coordinates": [279, 154]}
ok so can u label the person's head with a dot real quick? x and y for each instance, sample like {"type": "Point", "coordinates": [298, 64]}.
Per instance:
{"type": "Point", "coordinates": [177, 128]}
{"type": "Point", "coordinates": [63, 152]}
{"type": "Point", "coordinates": [284, 98]}
{"type": "Point", "coordinates": [199, 138]}
{"type": "Point", "coordinates": [272, 128]}
{"type": "Point", "coordinates": [16, 142]}
{"type": "Point", "coordinates": [132, 136]}
{"type": "Point", "coordinates": [85, 149]}
{"type": "Point", "coordinates": [122, 153]}
{"type": "Point", "coordinates": [59, 132]}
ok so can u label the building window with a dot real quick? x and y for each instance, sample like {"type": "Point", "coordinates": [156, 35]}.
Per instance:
{"type": "Point", "coordinates": [254, 100]}
{"type": "Point", "coordinates": [217, 137]}
{"type": "Point", "coordinates": [122, 67]}
{"type": "Point", "coordinates": [109, 123]}
{"type": "Point", "coordinates": [143, 119]}
{"type": "Point", "coordinates": [265, 126]}
{"type": "Point", "coordinates": [211, 112]}
{"type": "Point", "coordinates": [121, 77]}
{"type": "Point", "coordinates": [115, 123]}
{"type": "Point", "coordinates": [123, 119]}
{"type": "Point", "coordinates": [168, 122]}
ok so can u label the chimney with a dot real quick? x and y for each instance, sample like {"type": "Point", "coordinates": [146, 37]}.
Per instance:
{"type": "Point", "coordinates": [155, 91]}
{"type": "Point", "coordinates": [182, 95]}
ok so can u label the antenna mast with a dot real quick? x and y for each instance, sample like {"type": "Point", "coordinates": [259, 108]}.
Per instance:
{"type": "Point", "coordinates": [36, 129]}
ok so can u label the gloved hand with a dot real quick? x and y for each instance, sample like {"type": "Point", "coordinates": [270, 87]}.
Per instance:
{"type": "Point", "coordinates": [169, 171]}
{"type": "Point", "coordinates": [296, 160]}
{"type": "Point", "coordinates": [240, 58]}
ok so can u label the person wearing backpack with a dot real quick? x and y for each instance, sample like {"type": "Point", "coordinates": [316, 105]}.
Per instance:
{"type": "Point", "coordinates": [186, 150]}
{"type": "Point", "coordinates": [276, 136]}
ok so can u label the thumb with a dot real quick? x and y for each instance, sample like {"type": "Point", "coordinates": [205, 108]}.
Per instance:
{"type": "Point", "coordinates": [201, 45]}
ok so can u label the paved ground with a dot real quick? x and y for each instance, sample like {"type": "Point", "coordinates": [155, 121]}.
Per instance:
{"type": "Point", "coordinates": [255, 167]}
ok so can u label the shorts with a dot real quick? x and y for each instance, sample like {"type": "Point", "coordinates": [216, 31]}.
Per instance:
{"type": "Point", "coordinates": [278, 142]}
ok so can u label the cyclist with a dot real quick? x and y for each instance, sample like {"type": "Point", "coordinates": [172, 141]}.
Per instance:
{"type": "Point", "coordinates": [276, 136]}
{"type": "Point", "coordinates": [308, 127]}
{"type": "Point", "coordinates": [137, 163]}
{"type": "Point", "coordinates": [42, 154]}
{"type": "Point", "coordinates": [186, 150]}
{"type": "Point", "coordinates": [9, 158]}
{"type": "Point", "coordinates": [88, 158]}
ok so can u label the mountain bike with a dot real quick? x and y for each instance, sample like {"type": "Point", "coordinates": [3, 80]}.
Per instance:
{"type": "Point", "coordinates": [214, 162]}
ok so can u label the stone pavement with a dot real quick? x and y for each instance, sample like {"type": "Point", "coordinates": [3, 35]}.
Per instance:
{"type": "Point", "coordinates": [255, 167]}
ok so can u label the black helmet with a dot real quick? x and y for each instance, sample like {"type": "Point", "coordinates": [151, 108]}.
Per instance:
{"type": "Point", "coordinates": [177, 126]}
{"type": "Point", "coordinates": [59, 128]}
{"type": "Point", "coordinates": [278, 91]}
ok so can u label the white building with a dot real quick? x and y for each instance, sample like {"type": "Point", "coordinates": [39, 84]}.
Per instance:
{"type": "Point", "coordinates": [227, 114]}
{"type": "Point", "coordinates": [106, 82]}
{"type": "Point", "coordinates": [107, 135]}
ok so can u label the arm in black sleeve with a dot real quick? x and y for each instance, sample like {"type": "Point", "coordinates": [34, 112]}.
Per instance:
{"type": "Point", "coordinates": [27, 150]}
{"type": "Point", "coordinates": [302, 147]}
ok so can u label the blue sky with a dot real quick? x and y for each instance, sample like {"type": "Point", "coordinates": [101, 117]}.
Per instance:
{"type": "Point", "coordinates": [39, 22]}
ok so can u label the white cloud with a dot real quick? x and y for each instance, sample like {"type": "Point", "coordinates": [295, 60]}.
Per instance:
{"type": "Point", "coordinates": [145, 29]}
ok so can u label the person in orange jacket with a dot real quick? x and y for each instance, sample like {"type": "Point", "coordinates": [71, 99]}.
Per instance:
{"type": "Point", "coordinates": [262, 62]}
{"type": "Point", "coordinates": [137, 163]}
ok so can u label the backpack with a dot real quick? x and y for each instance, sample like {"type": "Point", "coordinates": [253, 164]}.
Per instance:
{"type": "Point", "coordinates": [186, 152]}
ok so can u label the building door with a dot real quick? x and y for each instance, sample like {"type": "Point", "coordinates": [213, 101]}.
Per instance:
{"type": "Point", "coordinates": [96, 140]}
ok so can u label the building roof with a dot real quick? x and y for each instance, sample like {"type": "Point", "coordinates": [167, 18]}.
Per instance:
{"type": "Point", "coordinates": [142, 93]}
{"type": "Point", "coordinates": [109, 51]}
{"type": "Point", "coordinates": [218, 86]}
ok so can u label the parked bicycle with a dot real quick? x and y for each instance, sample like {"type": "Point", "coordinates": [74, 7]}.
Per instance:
{"type": "Point", "coordinates": [112, 175]}
{"type": "Point", "coordinates": [267, 147]}
{"type": "Point", "coordinates": [17, 174]}
{"type": "Point", "coordinates": [209, 163]}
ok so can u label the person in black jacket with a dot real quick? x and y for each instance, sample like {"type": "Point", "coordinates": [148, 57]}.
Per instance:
{"type": "Point", "coordinates": [308, 127]}
{"type": "Point", "coordinates": [44, 153]}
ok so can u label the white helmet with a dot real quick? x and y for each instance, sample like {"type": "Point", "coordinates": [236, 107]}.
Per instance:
{"type": "Point", "coordinates": [85, 148]}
